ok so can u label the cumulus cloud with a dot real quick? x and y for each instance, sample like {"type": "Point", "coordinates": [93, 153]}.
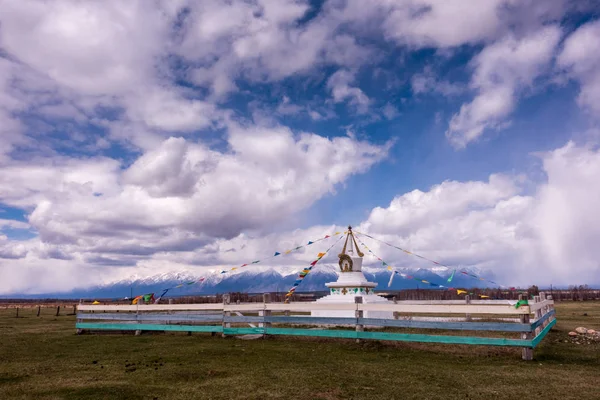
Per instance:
{"type": "Point", "coordinates": [542, 238]}
{"type": "Point", "coordinates": [182, 194]}
{"type": "Point", "coordinates": [126, 139]}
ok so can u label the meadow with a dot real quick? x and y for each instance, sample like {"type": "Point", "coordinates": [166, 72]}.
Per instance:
{"type": "Point", "coordinates": [43, 358]}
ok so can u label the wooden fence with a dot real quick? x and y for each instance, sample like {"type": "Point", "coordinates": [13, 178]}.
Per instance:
{"type": "Point", "coordinates": [530, 323]}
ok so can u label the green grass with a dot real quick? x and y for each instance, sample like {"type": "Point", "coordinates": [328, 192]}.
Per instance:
{"type": "Point", "coordinates": [43, 358]}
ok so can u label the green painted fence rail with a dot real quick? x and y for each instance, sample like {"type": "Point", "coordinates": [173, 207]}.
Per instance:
{"type": "Point", "coordinates": [220, 320]}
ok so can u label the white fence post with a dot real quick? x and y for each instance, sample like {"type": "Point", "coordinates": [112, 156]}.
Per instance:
{"type": "Point", "coordinates": [79, 331]}
{"type": "Point", "coordinates": [359, 314]}
{"type": "Point", "coordinates": [468, 301]}
{"type": "Point", "coordinates": [538, 315]}
{"type": "Point", "coordinates": [226, 301]}
{"type": "Point", "coordinates": [527, 352]}
{"type": "Point", "coordinates": [266, 313]}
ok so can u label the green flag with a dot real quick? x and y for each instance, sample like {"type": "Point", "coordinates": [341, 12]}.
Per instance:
{"type": "Point", "coordinates": [521, 303]}
{"type": "Point", "coordinates": [451, 276]}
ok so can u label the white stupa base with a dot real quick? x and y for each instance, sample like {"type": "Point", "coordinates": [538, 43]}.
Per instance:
{"type": "Point", "coordinates": [349, 298]}
{"type": "Point", "coordinates": [351, 283]}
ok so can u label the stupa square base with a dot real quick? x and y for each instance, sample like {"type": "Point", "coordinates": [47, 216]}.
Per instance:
{"type": "Point", "coordinates": [349, 298]}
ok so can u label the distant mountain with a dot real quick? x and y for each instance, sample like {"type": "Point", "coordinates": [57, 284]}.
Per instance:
{"type": "Point", "coordinates": [259, 280]}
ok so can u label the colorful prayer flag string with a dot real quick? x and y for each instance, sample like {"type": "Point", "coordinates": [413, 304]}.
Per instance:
{"type": "Point", "coordinates": [390, 268]}
{"type": "Point", "coordinates": [306, 271]}
{"type": "Point", "coordinates": [433, 261]}
{"type": "Point", "coordinates": [276, 254]}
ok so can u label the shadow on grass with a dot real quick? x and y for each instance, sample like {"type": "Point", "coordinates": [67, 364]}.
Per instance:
{"type": "Point", "coordinates": [7, 379]}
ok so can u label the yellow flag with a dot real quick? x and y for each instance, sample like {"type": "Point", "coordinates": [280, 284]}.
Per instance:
{"type": "Point", "coordinates": [485, 297]}
{"type": "Point", "coordinates": [233, 269]}
{"type": "Point", "coordinates": [337, 233]}
{"type": "Point", "coordinates": [389, 268]}
{"type": "Point", "coordinates": [288, 252]}
{"type": "Point", "coordinates": [458, 291]}
{"type": "Point", "coordinates": [320, 255]}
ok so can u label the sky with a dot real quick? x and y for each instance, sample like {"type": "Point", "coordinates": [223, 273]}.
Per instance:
{"type": "Point", "coordinates": [144, 137]}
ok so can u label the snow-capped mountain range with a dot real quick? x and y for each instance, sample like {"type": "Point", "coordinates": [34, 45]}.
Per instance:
{"type": "Point", "coordinates": [264, 279]}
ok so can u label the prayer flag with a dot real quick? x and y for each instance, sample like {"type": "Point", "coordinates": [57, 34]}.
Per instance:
{"type": "Point", "coordinates": [276, 254]}
{"type": "Point", "coordinates": [451, 276]}
{"type": "Point", "coordinates": [458, 291]}
{"type": "Point", "coordinates": [320, 255]}
{"type": "Point", "coordinates": [309, 243]}
{"type": "Point", "coordinates": [521, 303]}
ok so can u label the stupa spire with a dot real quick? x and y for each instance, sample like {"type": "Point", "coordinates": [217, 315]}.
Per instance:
{"type": "Point", "coordinates": [353, 244]}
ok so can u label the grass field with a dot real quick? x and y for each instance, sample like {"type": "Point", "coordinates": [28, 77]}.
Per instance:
{"type": "Point", "coordinates": [43, 358]}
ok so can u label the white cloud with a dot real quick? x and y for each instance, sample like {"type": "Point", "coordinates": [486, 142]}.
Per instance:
{"type": "Point", "coordinates": [502, 71]}
{"type": "Point", "coordinates": [544, 238]}
{"type": "Point", "coordinates": [10, 223]}
{"type": "Point", "coordinates": [262, 41]}
{"type": "Point", "coordinates": [447, 23]}
{"type": "Point", "coordinates": [106, 72]}
{"type": "Point", "coordinates": [182, 194]}
{"type": "Point", "coordinates": [341, 90]}
{"type": "Point", "coordinates": [442, 23]}
{"type": "Point", "coordinates": [390, 112]}
{"type": "Point", "coordinates": [581, 58]}
{"type": "Point", "coordinates": [427, 82]}
{"type": "Point", "coordinates": [566, 213]}
{"type": "Point", "coordinates": [416, 209]}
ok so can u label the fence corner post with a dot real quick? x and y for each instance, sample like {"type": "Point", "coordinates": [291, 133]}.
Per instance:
{"type": "Point", "coordinates": [79, 331]}
{"type": "Point", "coordinates": [266, 313]}
{"type": "Point", "coordinates": [359, 315]}
{"type": "Point", "coordinates": [395, 300]}
{"type": "Point", "coordinates": [526, 352]}
{"type": "Point", "coordinates": [226, 325]}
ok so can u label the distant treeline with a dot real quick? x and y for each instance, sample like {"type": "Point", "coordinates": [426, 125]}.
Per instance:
{"type": "Point", "coordinates": [573, 293]}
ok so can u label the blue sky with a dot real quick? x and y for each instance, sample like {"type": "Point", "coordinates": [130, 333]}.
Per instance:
{"type": "Point", "coordinates": [182, 128]}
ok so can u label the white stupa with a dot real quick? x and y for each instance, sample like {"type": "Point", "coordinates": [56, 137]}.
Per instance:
{"type": "Point", "coordinates": [350, 284]}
